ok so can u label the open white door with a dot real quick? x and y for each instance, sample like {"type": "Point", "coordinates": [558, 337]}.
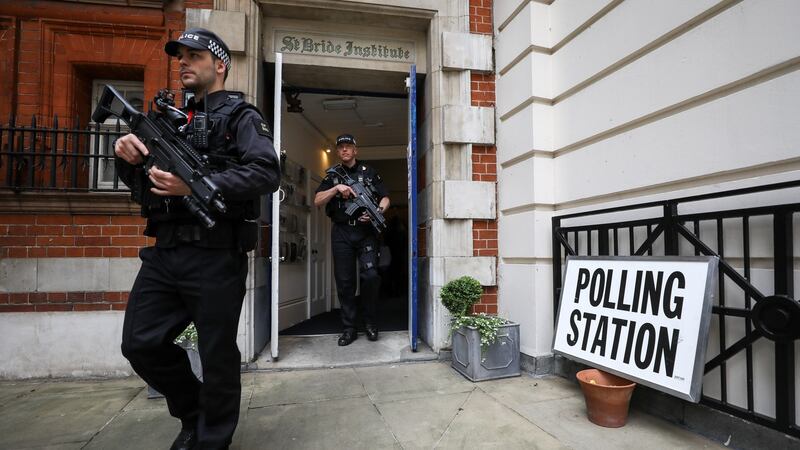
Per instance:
{"type": "Point", "coordinates": [276, 202]}
{"type": "Point", "coordinates": [317, 270]}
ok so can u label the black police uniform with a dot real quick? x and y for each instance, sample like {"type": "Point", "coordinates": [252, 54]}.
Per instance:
{"type": "Point", "coordinates": [194, 274]}
{"type": "Point", "coordinates": [351, 240]}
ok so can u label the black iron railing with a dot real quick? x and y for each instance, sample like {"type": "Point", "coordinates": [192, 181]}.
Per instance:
{"type": "Point", "coordinates": [749, 313]}
{"type": "Point", "coordinates": [50, 158]}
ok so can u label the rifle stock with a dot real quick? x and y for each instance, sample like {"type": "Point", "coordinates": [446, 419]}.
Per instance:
{"type": "Point", "coordinates": [168, 151]}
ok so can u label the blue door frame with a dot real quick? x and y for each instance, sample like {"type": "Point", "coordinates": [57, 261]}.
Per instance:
{"type": "Point", "coordinates": [413, 315]}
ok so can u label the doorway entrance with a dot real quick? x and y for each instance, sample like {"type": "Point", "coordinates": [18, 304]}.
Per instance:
{"type": "Point", "coordinates": [317, 104]}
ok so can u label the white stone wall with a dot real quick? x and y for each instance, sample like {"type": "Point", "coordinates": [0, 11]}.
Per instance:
{"type": "Point", "coordinates": [603, 103]}
{"type": "Point", "coordinates": [62, 344]}
{"type": "Point", "coordinates": [77, 344]}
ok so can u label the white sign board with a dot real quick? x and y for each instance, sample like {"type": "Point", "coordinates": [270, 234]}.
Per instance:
{"type": "Point", "coordinates": [341, 46]}
{"type": "Point", "coordinates": [643, 318]}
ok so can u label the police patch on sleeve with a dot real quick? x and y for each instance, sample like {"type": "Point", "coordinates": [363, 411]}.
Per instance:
{"type": "Point", "coordinates": [261, 127]}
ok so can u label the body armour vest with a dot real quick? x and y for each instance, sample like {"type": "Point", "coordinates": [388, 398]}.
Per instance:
{"type": "Point", "coordinates": [335, 209]}
{"type": "Point", "coordinates": [220, 156]}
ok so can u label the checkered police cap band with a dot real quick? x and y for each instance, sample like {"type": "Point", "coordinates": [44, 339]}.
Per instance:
{"type": "Point", "coordinates": [220, 53]}
{"type": "Point", "coordinates": [201, 39]}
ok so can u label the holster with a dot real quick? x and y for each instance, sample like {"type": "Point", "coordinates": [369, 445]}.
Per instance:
{"type": "Point", "coordinates": [247, 235]}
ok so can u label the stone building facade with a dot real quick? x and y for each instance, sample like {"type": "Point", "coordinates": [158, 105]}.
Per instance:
{"type": "Point", "coordinates": [531, 109]}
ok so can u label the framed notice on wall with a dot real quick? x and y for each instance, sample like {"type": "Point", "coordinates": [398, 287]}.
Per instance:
{"type": "Point", "coordinates": [642, 318]}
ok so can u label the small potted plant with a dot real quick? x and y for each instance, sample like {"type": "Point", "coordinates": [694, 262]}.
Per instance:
{"type": "Point", "coordinates": [188, 341]}
{"type": "Point", "coordinates": [485, 346]}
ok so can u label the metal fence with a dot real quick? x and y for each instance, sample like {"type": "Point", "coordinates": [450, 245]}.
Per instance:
{"type": "Point", "coordinates": [49, 158]}
{"type": "Point", "coordinates": [751, 370]}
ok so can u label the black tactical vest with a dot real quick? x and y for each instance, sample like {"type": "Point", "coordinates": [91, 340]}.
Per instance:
{"type": "Point", "coordinates": [335, 209]}
{"type": "Point", "coordinates": [221, 157]}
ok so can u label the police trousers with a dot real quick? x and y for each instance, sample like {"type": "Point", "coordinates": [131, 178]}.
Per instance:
{"type": "Point", "coordinates": [351, 245]}
{"type": "Point", "coordinates": [176, 286]}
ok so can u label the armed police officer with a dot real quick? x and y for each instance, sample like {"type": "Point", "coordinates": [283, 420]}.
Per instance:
{"type": "Point", "coordinates": [353, 239]}
{"type": "Point", "coordinates": [194, 273]}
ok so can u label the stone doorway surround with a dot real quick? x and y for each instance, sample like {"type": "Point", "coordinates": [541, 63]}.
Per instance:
{"type": "Point", "coordinates": [448, 200]}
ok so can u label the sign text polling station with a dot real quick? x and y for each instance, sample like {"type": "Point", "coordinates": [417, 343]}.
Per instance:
{"type": "Point", "coordinates": [643, 318]}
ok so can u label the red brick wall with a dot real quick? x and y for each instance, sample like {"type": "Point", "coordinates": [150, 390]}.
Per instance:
{"type": "Point", "coordinates": [484, 238]}
{"type": "Point", "coordinates": [480, 16]}
{"type": "Point", "coordinates": [484, 163]}
{"type": "Point", "coordinates": [59, 236]}
{"type": "Point", "coordinates": [57, 38]}
{"type": "Point", "coordinates": [484, 159]}
{"type": "Point", "coordinates": [71, 236]}
{"type": "Point", "coordinates": [482, 86]}
{"type": "Point", "coordinates": [488, 301]}
{"type": "Point", "coordinates": [62, 301]}
{"type": "Point", "coordinates": [62, 47]}
{"type": "Point", "coordinates": [7, 51]}
{"type": "Point", "coordinates": [28, 70]}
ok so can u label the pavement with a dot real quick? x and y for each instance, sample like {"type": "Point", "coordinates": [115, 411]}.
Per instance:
{"type": "Point", "coordinates": [413, 405]}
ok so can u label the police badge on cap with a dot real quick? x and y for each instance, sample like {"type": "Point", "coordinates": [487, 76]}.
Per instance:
{"type": "Point", "coordinates": [345, 139]}
{"type": "Point", "coordinates": [201, 39]}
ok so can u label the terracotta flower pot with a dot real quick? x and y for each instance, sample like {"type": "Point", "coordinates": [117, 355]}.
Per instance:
{"type": "Point", "coordinates": [607, 397]}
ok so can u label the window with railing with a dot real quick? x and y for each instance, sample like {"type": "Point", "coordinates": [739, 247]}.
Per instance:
{"type": "Point", "coordinates": [133, 91]}
{"type": "Point", "coordinates": [42, 155]}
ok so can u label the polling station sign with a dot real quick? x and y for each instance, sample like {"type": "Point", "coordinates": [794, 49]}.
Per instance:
{"type": "Point", "coordinates": [642, 318]}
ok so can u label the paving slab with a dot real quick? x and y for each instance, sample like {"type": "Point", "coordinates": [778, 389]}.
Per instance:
{"type": "Point", "coordinates": [65, 446]}
{"type": "Point", "coordinates": [317, 352]}
{"type": "Point", "coordinates": [63, 386]}
{"type": "Point", "coordinates": [142, 402]}
{"type": "Point", "coordinates": [277, 388]}
{"type": "Point", "coordinates": [530, 389]}
{"type": "Point", "coordinates": [46, 418]}
{"type": "Point", "coordinates": [349, 423]}
{"type": "Point", "coordinates": [407, 381]}
{"type": "Point", "coordinates": [486, 423]}
{"type": "Point", "coordinates": [419, 423]}
{"type": "Point", "coordinates": [12, 390]}
{"type": "Point", "coordinates": [141, 429]}
{"type": "Point", "coordinates": [565, 418]}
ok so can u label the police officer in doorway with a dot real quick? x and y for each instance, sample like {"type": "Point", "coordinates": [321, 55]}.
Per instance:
{"type": "Point", "coordinates": [353, 239]}
{"type": "Point", "coordinates": [196, 274]}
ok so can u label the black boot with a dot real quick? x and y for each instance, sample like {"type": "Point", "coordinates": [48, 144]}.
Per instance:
{"type": "Point", "coordinates": [372, 332]}
{"type": "Point", "coordinates": [347, 337]}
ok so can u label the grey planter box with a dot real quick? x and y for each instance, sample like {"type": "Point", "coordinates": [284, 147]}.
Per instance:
{"type": "Point", "coordinates": [499, 360]}
{"type": "Point", "coordinates": [197, 368]}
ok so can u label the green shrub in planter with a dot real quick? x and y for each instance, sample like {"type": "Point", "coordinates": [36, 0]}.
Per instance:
{"type": "Point", "coordinates": [485, 324]}
{"type": "Point", "coordinates": [188, 341]}
{"type": "Point", "coordinates": [460, 294]}
{"type": "Point", "coordinates": [188, 338]}
{"type": "Point", "coordinates": [484, 346]}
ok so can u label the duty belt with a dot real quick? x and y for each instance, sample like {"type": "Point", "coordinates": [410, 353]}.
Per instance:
{"type": "Point", "coordinates": [223, 235]}
{"type": "Point", "coordinates": [188, 233]}
{"type": "Point", "coordinates": [351, 222]}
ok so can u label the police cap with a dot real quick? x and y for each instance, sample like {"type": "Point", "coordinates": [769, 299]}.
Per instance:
{"type": "Point", "coordinates": [201, 39]}
{"type": "Point", "coordinates": [345, 139]}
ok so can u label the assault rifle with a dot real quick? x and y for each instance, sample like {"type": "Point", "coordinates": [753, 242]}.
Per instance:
{"type": "Point", "coordinates": [168, 151]}
{"type": "Point", "coordinates": [362, 202]}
